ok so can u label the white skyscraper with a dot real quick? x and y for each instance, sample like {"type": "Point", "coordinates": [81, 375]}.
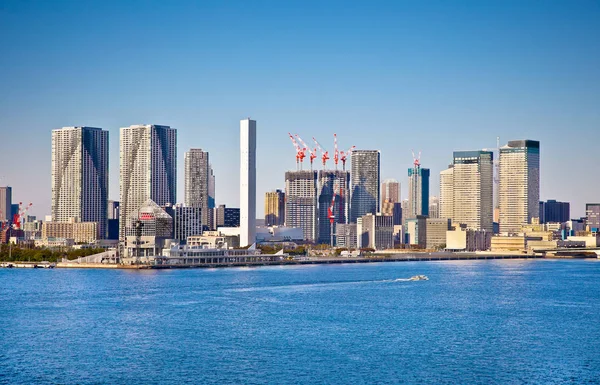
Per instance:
{"type": "Point", "coordinates": [519, 188]}
{"type": "Point", "coordinates": [80, 175]}
{"type": "Point", "coordinates": [447, 193]}
{"type": "Point", "coordinates": [148, 168]}
{"type": "Point", "coordinates": [247, 182]}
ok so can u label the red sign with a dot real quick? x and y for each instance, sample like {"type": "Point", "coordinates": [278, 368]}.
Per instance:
{"type": "Point", "coordinates": [146, 216]}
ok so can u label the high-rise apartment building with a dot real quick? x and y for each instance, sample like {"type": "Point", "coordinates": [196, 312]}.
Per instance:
{"type": "Point", "coordinates": [197, 181]}
{"type": "Point", "coordinates": [5, 203]}
{"type": "Point", "coordinates": [418, 191]}
{"type": "Point", "coordinates": [365, 183]}
{"type": "Point", "coordinates": [473, 180]}
{"type": "Point", "coordinates": [274, 208]}
{"type": "Point", "coordinates": [247, 182]}
{"type": "Point", "coordinates": [519, 187]}
{"type": "Point", "coordinates": [80, 176]}
{"type": "Point", "coordinates": [447, 192]}
{"type": "Point", "coordinates": [148, 169]}
{"type": "Point", "coordinates": [334, 186]}
{"type": "Point", "coordinates": [301, 202]}
{"type": "Point", "coordinates": [390, 191]}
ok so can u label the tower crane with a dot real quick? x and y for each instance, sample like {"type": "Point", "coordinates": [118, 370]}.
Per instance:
{"type": "Point", "coordinates": [18, 218]}
{"type": "Point", "coordinates": [416, 160]}
{"type": "Point", "coordinates": [312, 153]}
{"type": "Point", "coordinates": [336, 153]}
{"type": "Point", "coordinates": [331, 217]}
{"type": "Point", "coordinates": [324, 154]}
{"type": "Point", "coordinates": [344, 156]}
{"type": "Point", "coordinates": [300, 152]}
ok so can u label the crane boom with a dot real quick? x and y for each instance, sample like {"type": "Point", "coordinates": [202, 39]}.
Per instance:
{"type": "Point", "coordinates": [300, 152]}
{"type": "Point", "coordinates": [324, 154]}
{"type": "Point", "coordinates": [312, 153]}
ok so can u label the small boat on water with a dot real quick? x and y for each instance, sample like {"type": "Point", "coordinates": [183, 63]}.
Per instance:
{"type": "Point", "coordinates": [419, 278]}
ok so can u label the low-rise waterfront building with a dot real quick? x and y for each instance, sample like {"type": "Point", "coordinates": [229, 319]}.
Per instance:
{"type": "Point", "coordinates": [436, 232]}
{"type": "Point", "coordinates": [375, 231]}
{"type": "Point", "coordinates": [508, 243]}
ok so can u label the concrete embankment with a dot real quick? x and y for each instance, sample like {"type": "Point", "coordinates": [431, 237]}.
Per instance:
{"type": "Point", "coordinates": [413, 257]}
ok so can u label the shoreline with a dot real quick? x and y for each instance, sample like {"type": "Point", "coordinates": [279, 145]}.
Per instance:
{"type": "Point", "coordinates": [314, 261]}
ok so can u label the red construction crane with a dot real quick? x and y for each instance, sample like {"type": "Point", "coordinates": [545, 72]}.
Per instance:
{"type": "Point", "coordinates": [312, 153]}
{"type": "Point", "coordinates": [18, 218]}
{"type": "Point", "coordinates": [300, 152]}
{"type": "Point", "coordinates": [336, 153]}
{"type": "Point", "coordinates": [324, 154]}
{"type": "Point", "coordinates": [331, 217]}
{"type": "Point", "coordinates": [344, 156]}
{"type": "Point", "coordinates": [416, 161]}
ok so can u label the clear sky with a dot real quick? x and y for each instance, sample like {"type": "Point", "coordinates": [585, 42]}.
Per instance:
{"type": "Point", "coordinates": [436, 76]}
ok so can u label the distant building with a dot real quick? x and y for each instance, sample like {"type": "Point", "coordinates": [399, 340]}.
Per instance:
{"type": "Point", "coordinates": [227, 216]}
{"type": "Point", "coordinates": [462, 239]}
{"type": "Point", "coordinates": [275, 208]}
{"type": "Point", "coordinates": [211, 188]}
{"type": "Point", "coordinates": [447, 193]}
{"type": "Point", "coordinates": [113, 210]}
{"type": "Point", "coordinates": [375, 232]}
{"type": "Point", "coordinates": [552, 211]}
{"type": "Point", "coordinates": [5, 203]}
{"type": "Point", "coordinates": [418, 192]}
{"type": "Point", "coordinates": [80, 175]}
{"type": "Point", "coordinates": [365, 183]}
{"type": "Point", "coordinates": [346, 235]}
{"type": "Point", "coordinates": [592, 212]}
{"type": "Point", "coordinates": [112, 221]}
{"type": "Point", "coordinates": [333, 193]}
{"type": "Point", "coordinates": [148, 169]}
{"type": "Point", "coordinates": [436, 232]}
{"type": "Point", "coordinates": [434, 207]}
{"type": "Point", "coordinates": [473, 185]}
{"type": "Point", "coordinates": [79, 232]}
{"type": "Point", "coordinates": [390, 191]}
{"type": "Point", "coordinates": [247, 182]}
{"type": "Point", "coordinates": [394, 209]}
{"type": "Point", "coordinates": [301, 202]}
{"type": "Point", "coordinates": [519, 187]}
{"type": "Point", "coordinates": [197, 181]}
{"type": "Point", "coordinates": [187, 221]}
{"type": "Point", "coordinates": [416, 231]}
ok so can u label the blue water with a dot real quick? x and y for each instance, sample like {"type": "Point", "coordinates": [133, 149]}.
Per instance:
{"type": "Point", "coordinates": [535, 321]}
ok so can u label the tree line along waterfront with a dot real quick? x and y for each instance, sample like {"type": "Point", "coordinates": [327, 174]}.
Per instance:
{"type": "Point", "coordinates": [16, 254]}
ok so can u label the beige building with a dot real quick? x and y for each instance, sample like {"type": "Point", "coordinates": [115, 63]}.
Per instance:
{"type": "Point", "coordinates": [436, 232]}
{"type": "Point", "coordinates": [503, 243]}
{"type": "Point", "coordinates": [462, 239]}
{"type": "Point", "coordinates": [447, 193]}
{"type": "Point", "coordinates": [473, 194]}
{"type": "Point", "coordinates": [519, 187]}
{"type": "Point", "coordinates": [79, 232]}
{"type": "Point", "coordinates": [274, 208]}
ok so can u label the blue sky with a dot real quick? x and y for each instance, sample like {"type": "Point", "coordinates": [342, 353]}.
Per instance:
{"type": "Point", "coordinates": [436, 76]}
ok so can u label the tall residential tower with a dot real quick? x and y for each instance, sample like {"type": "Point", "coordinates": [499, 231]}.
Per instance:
{"type": "Point", "coordinates": [418, 191]}
{"type": "Point", "coordinates": [197, 181]}
{"type": "Point", "coordinates": [148, 168]}
{"type": "Point", "coordinates": [365, 183]}
{"type": "Point", "coordinates": [473, 195]}
{"type": "Point", "coordinates": [80, 175]}
{"type": "Point", "coordinates": [519, 187]}
{"type": "Point", "coordinates": [274, 208]}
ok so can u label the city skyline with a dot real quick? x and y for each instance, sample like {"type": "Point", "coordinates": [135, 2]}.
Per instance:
{"type": "Point", "coordinates": [377, 86]}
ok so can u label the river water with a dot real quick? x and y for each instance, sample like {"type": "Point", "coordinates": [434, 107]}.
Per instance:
{"type": "Point", "coordinates": [509, 321]}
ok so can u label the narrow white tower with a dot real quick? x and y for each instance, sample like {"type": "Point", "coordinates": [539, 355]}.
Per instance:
{"type": "Point", "coordinates": [247, 182]}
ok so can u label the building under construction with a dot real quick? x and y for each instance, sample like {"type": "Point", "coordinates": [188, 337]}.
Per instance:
{"type": "Point", "coordinates": [334, 186]}
{"type": "Point", "coordinates": [301, 202]}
